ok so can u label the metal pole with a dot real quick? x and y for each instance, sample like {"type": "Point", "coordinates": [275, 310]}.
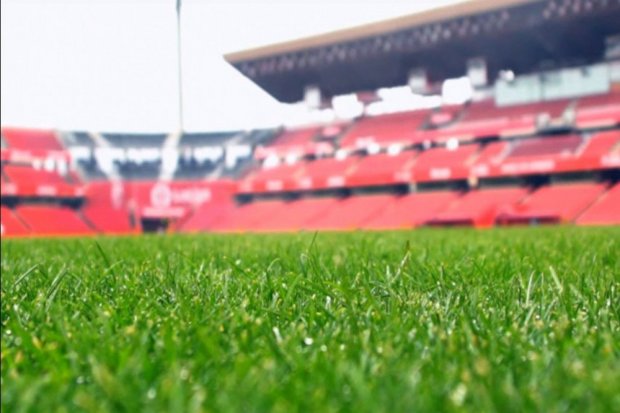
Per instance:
{"type": "Point", "coordinates": [180, 68]}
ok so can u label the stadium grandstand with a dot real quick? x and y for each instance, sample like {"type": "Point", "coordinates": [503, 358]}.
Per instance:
{"type": "Point", "coordinates": [485, 113]}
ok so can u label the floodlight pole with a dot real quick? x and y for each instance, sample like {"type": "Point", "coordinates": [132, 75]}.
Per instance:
{"type": "Point", "coordinates": [180, 66]}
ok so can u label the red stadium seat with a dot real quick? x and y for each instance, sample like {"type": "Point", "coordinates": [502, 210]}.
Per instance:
{"type": "Point", "coordinates": [604, 211]}
{"type": "Point", "coordinates": [296, 215]}
{"type": "Point", "coordinates": [398, 128]}
{"type": "Point", "coordinates": [106, 208]}
{"type": "Point", "coordinates": [382, 169]}
{"type": "Point", "coordinates": [602, 150]}
{"type": "Point", "coordinates": [107, 219]}
{"type": "Point", "coordinates": [478, 207]}
{"type": "Point", "coordinates": [26, 175]}
{"type": "Point", "coordinates": [490, 156]}
{"type": "Point", "coordinates": [326, 173]}
{"type": "Point", "coordinates": [547, 146]}
{"type": "Point", "coordinates": [552, 204]}
{"type": "Point", "coordinates": [26, 181]}
{"type": "Point", "coordinates": [275, 179]}
{"type": "Point", "coordinates": [442, 164]}
{"type": "Point", "coordinates": [485, 119]}
{"type": "Point", "coordinates": [10, 224]}
{"type": "Point", "coordinates": [248, 217]}
{"type": "Point", "coordinates": [53, 220]}
{"type": "Point", "coordinates": [411, 210]}
{"type": "Point", "coordinates": [298, 142]}
{"type": "Point", "coordinates": [351, 213]}
{"type": "Point", "coordinates": [551, 154]}
{"type": "Point", "coordinates": [206, 216]}
{"type": "Point", "coordinates": [598, 111]}
{"type": "Point", "coordinates": [32, 140]}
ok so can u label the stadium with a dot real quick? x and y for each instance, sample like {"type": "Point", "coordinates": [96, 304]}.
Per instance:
{"type": "Point", "coordinates": [440, 233]}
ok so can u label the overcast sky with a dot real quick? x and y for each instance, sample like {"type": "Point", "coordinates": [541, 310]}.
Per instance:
{"type": "Point", "coordinates": [110, 65]}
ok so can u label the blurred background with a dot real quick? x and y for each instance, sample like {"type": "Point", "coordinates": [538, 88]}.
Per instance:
{"type": "Point", "coordinates": [228, 116]}
{"type": "Point", "coordinates": [112, 65]}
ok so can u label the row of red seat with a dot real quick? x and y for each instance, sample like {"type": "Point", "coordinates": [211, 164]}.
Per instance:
{"type": "Point", "coordinates": [51, 220]}
{"type": "Point", "coordinates": [25, 181]}
{"type": "Point", "coordinates": [43, 220]}
{"type": "Point", "coordinates": [10, 224]}
{"type": "Point", "coordinates": [503, 158]}
{"type": "Point", "coordinates": [20, 177]}
{"type": "Point", "coordinates": [551, 154]}
{"type": "Point", "coordinates": [118, 207]}
{"type": "Point", "coordinates": [481, 119]}
{"type": "Point", "coordinates": [478, 120]}
{"type": "Point", "coordinates": [34, 141]}
{"type": "Point", "coordinates": [298, 142]}
{"type": "Point", "coordinates": [583, 203]}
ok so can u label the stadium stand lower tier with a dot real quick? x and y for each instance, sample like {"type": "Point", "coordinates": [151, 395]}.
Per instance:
{"type": "Point", "coordinates": [206, 217]}
{"type": "Point", "coordinates": [584, 203]}
{"type": "Point", "coordinates": [351, 213]}
{"type": "Point", "coordinates": [10, 224]}
{"type": "Point", "coordinates": [296, 215]}
{"type": "Point", "coordinates": [605, 211]}
{"type": "Point", "coordinates": [53, 220]}
{"type": "Point", "coordinates": [412, 210]}
{"type": "Point", "coordinates": [248, 217]}
{"type": "Point", "coordinates": [478, 207]}
{"type": "Point", "coordinates": [108, 220]}
{"type": "Point", "coordinates": [552, 204]}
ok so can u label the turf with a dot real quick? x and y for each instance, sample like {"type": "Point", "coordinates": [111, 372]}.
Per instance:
{"type": "Point", "coordinates": [426, 321]}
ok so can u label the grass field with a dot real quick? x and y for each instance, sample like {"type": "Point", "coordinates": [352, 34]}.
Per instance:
{"type": "Point", "coordinates": [426, 321]}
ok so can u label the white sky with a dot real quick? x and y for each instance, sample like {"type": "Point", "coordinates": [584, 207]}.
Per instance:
{"type": "Point", "coordinates": [110, 65]}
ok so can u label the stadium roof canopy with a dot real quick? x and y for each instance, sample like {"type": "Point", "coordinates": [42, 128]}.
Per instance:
{"type": "Point", "coordinates": [520, 35]}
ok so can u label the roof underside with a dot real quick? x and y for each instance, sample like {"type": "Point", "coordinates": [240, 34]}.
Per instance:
{"type": "Point", "coordinates": [521, 35]}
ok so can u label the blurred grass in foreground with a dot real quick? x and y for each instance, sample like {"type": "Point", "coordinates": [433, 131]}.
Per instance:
{"type": "Point", "coordinates": [431, 320]}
